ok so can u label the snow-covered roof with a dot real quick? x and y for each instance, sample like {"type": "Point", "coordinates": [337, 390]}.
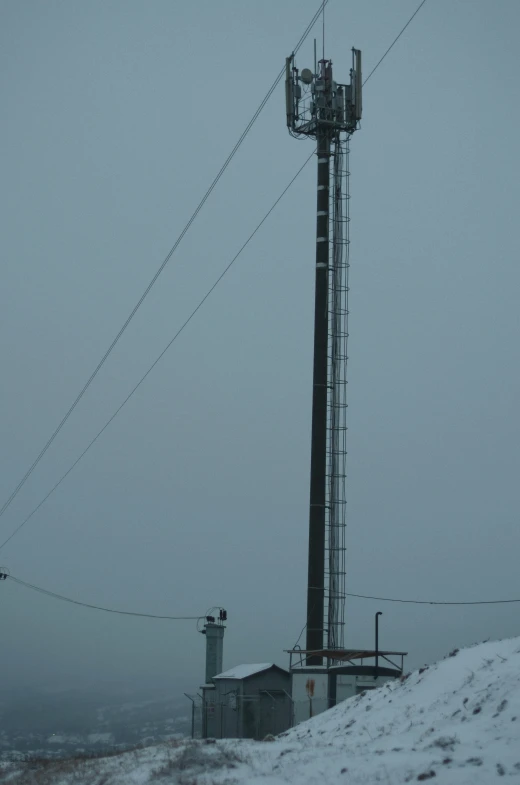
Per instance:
{"type": "Point", "coordinates": [244, 671]}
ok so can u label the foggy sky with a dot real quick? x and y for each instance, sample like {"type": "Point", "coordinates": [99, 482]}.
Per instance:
{"type": "Point", "coordinates": [116, 117]}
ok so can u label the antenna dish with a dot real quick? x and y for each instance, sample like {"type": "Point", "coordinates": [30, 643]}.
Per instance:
{"type": "Point", "coordinates": [306, 76]}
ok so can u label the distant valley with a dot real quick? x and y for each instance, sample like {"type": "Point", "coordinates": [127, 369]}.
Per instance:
{"type": "Point", "coordinates": [57, 723]}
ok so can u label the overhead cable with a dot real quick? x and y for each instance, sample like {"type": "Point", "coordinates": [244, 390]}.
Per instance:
{"type": "Point", "coordinates": [97, 607]}
{"type": "Point", "coordinates": [302, 39]}
{"type": "Point", "coordinates": [161, 355]}
{"type": "Point", "coordinates": [431, 602]}
{"type": "Point", "coordinates": [54, 595]}
{"type": "Point", "coordinates": [199, 207]}
{"type": "Point", "coordinates": [396, 39]}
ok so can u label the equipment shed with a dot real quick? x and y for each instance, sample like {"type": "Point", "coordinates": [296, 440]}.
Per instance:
{"type": "Point", "coordinates": [248, 702]}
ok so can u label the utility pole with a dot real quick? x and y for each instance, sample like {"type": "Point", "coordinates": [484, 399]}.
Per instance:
{"type": "Point", "coordinates": [328, 112]}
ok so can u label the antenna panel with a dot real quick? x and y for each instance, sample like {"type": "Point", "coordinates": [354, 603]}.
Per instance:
{"type": "Point", "coordinates": [358, 85]}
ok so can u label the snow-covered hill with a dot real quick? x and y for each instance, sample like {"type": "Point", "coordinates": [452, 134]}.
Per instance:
{"type": "Point", "coordinates": [456, 722]}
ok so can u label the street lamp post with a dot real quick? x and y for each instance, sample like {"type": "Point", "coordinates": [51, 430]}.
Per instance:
{"type": "Point", "coordinates": [378, 614]}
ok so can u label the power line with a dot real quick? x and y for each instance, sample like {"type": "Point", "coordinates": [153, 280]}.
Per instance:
{"type": "Point", "coordinates": [394, 42]}
{"type": "Point", "coordinates": [161, 355]}
{"type": "Point", "coordinates": [431, 602]}
{"type": "Point", "coordinates": [96, 607]}
{"type": "Point", "coordinates": [199, 207]}
{"type": "Point", "coordinates": [54, 595]}
{"type": "Point", "coordinates": [417, 602]}
{"type": "Point", "coordinates": [302, 39]}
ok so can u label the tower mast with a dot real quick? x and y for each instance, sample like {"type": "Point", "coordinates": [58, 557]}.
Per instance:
{"type": "Point", "coordinates": [328, 112]}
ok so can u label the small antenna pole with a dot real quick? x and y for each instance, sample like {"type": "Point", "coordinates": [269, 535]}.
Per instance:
{"type": "Point", "coordinates": [323, 25]}
{"type": "Point", "coordinates": [315, 59]}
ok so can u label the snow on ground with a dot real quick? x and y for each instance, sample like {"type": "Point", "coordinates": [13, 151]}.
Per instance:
{"type": "Point", "coordinates": [456, 722]}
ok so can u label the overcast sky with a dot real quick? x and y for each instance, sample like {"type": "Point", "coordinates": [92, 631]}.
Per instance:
{"type": "Point", "coordinates": [116, 117]}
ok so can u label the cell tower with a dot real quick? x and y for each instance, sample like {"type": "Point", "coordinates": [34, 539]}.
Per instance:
{"type": "Point", "coordinates": [329, 112]}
